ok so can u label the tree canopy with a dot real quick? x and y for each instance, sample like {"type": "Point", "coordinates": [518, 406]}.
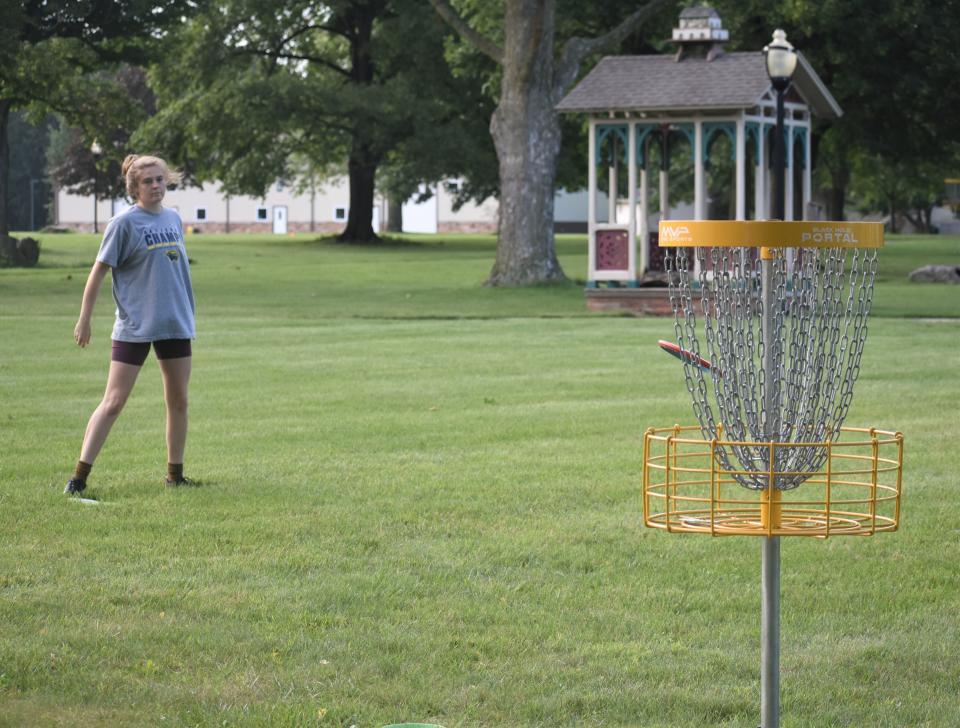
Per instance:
{"type": "Point", "coordinates": [396, 93]}
{"type": "Point", "coordinates": [250, 84]}
{"type": "Point", "coordinates": [891, 64]}
{"type": "Point", "coordinates": [50, 51]}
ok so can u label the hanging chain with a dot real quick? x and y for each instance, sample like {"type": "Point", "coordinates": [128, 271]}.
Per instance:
{"type": "Point", "coordinates": [822, 299]}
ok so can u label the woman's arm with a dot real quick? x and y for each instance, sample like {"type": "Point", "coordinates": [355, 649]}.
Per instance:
{"type": "Point", "coordinates": [81, 332]}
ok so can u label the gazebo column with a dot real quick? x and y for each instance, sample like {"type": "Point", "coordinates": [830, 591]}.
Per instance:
{"type": "Point", "coordinates": [643, 226]}
{"type": "Point", "coordinates": [788, 144]}
{"type": "Point", "coordinates": [760, 182]}
{"type": "Point", "coordinates": [741, 166]}
{"type": "Point", "coordinates": [665, 173]}
{"type": "Point", "coordinates": [612, 183]}
{"type": "Point", "coordinates": [806, 171]}
{"type": "Point", "coordinates": [699, 196]}
{"type": "Point", "coordinates": [788, 211]}
{"type": "Point", "coordinates": [632, 202]}
{"type": "Point", "coordinates": [592, 200]}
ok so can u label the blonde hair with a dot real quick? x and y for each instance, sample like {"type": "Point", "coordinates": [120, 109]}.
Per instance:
{"type": "Point", "coordinates": [133, 166]}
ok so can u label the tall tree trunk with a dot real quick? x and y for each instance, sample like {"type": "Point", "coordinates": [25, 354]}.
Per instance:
{"type": "Point", "coordinates": [526, 134]}
{"type": "Point", "coordinates": [526, 128]}
{"type": "Point", "coordinates": [394, 214]}
{"type": "Point", "coordinates": [5, 105]}
{"type": "Point", "coordinates": [836, 195]}
{"type": "Point", "coordinates": [363, 161]}
{"type": "Point", "coordinates": [892, 205]}
{"type": "Point", "coordinates": [362, 168]}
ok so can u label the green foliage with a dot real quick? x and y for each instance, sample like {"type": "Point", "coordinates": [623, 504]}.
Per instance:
{"type": "Point", "coordinates": [421, 502]}
{"type": "Point", "coordinates": [127, 104]}
{"type": "Point", "coordinates": [54, 47]}
{"type": "Point", "coordinates": [891, 66]}
{"type": "Point", "coordinates": [53, 57]}
{"type": "Point", "coordinates": [487, 18]}
{"type": "Point", "coordinates": [247, 85]}
{"type": "Point", "coordinates": [902, 188]}
{"type": "Point", "coordinates": [30, 189]}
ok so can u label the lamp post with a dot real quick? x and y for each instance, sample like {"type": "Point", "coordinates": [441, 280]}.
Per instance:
{"type": "Point", "coordinates": [781, 63]}
{"type": "Point", "coordinates": [97, 151]}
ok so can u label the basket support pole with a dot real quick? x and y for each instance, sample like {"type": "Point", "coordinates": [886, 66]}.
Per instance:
{"type": "Point", "coordinates": [770, 634]}
{"type": "Point", "coordinates": [770, 554]}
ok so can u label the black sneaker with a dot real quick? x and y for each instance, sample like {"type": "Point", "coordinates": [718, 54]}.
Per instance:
{"type": "Point", "coordinates": [75, 486]}
{"type": "Point", "coordinates": [176, 482]}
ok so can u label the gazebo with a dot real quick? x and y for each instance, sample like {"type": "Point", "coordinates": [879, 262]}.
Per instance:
{"type": "Point", "coordinates": [644, 106]}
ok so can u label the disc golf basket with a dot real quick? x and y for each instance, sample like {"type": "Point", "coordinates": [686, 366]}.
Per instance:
{"type": "Point", "coordinates": [771, 320]}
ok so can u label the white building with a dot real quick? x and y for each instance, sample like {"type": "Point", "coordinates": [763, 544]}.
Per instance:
{"type": "Point", "coordinates": [323, 210]}
{"type": "Point", "coordinates": [284, 210]}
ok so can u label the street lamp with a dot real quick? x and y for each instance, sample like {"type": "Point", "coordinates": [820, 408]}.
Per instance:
{"type": "Point", "coordinates": [97, 151]}
{"type": "Point", "coordinates": [781, 64]}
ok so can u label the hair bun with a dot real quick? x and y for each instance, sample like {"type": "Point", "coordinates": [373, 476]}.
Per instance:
{"type": "Point", "coordinates": [127, 162]}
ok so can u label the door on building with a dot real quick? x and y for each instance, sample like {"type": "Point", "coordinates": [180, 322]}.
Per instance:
{"type": "Point", "coordinates": [420, 217]}
{"type": "Point", "coordinates": [280, 219]}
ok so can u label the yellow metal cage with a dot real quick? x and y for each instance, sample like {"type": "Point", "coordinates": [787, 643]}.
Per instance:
{"type": "Point", "coordinates": [856, 492]}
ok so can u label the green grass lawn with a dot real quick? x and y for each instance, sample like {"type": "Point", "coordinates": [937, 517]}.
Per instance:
{"type": "Point", "coordinates": [421, 503]}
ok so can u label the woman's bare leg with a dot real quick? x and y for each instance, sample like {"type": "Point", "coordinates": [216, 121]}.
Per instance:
{"type": "Point", "coordinates": [120, 383]}
{"type": "Point", "coordinates": [176, 380]}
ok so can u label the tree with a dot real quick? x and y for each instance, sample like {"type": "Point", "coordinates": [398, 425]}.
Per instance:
{"type": "Point", "coordinates": [903, 189]}
{"type": "Point", "coordinates": [69, 158]}
{"type": "Point", "coordinates": [526, 127]}
{"type": "Point", "coordinates": [49, 48]}
{"type": "Point", "coordinates": [29, 195]}
{"type": "Point", "coordinates": [258, 83]}
{"type": "Point", "coordinates": [891, 64]}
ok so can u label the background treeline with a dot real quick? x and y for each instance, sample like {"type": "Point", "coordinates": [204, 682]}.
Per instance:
{"type": "Point", "coordinates": [393, 93]}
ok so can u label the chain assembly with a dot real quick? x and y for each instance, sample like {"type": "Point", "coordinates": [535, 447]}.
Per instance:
{"type": "Point", "coordinates": [815, 334]}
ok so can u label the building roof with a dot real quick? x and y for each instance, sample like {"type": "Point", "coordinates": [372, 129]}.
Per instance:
{"type": "Point", "coordinates": [699, 11]}
{"type": "Point", "coordinates": [659, 83]}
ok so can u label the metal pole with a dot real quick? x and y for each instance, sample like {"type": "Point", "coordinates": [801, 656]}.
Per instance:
{"type": "Point", "coordinates": [770, 635]}
{"type": "Point", "coordinates": [779, 161]}
{"type": "Point", "coordinates": [770, 554]}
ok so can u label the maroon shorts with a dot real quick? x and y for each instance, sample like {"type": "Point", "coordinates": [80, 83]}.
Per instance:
{"type": "Point", "coordinates": [130, 352]}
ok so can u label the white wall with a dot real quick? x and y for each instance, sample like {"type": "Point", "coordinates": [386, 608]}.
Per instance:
{"type": "Point", "coordinates": [333, 194]}
{"type": "Point", "coordinates": [486, 211]}
{"type": "Point", "coordinates": [434, 215]}
{"type": "Point", "coordinates": [572, 206]}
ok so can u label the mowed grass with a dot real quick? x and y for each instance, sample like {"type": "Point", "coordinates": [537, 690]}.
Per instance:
{"type": "Point", "coordinates": [421, 503]}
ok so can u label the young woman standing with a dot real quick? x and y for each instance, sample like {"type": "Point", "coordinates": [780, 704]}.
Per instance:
{"type": "Point", "coordinates": [144, 250]}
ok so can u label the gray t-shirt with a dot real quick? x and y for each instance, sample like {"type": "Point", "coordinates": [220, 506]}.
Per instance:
{"type": "Point", "coordinates": [151, 276]}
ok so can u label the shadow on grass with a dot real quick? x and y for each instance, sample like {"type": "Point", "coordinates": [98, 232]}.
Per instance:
{"type": "Point", "coordinates": [426, 244]}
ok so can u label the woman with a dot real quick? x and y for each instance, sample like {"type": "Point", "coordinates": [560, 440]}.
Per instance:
{"type": "Point", "coordinates": [143, 248]}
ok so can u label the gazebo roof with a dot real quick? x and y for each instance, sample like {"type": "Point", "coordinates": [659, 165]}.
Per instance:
{"type": "Point", "coordinates": [699, 11]}
{"type": "Point", "coordinates": [660, 83]}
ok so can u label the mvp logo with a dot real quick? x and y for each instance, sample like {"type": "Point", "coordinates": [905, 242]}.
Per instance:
{"type": "Point", "coordinates": [675, 233]}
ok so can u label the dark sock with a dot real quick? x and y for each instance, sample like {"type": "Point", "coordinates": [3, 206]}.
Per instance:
{"type": "Point", "coordinates": [82, 471]}
{"type": "Point", "coordinates": [174, 472]}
